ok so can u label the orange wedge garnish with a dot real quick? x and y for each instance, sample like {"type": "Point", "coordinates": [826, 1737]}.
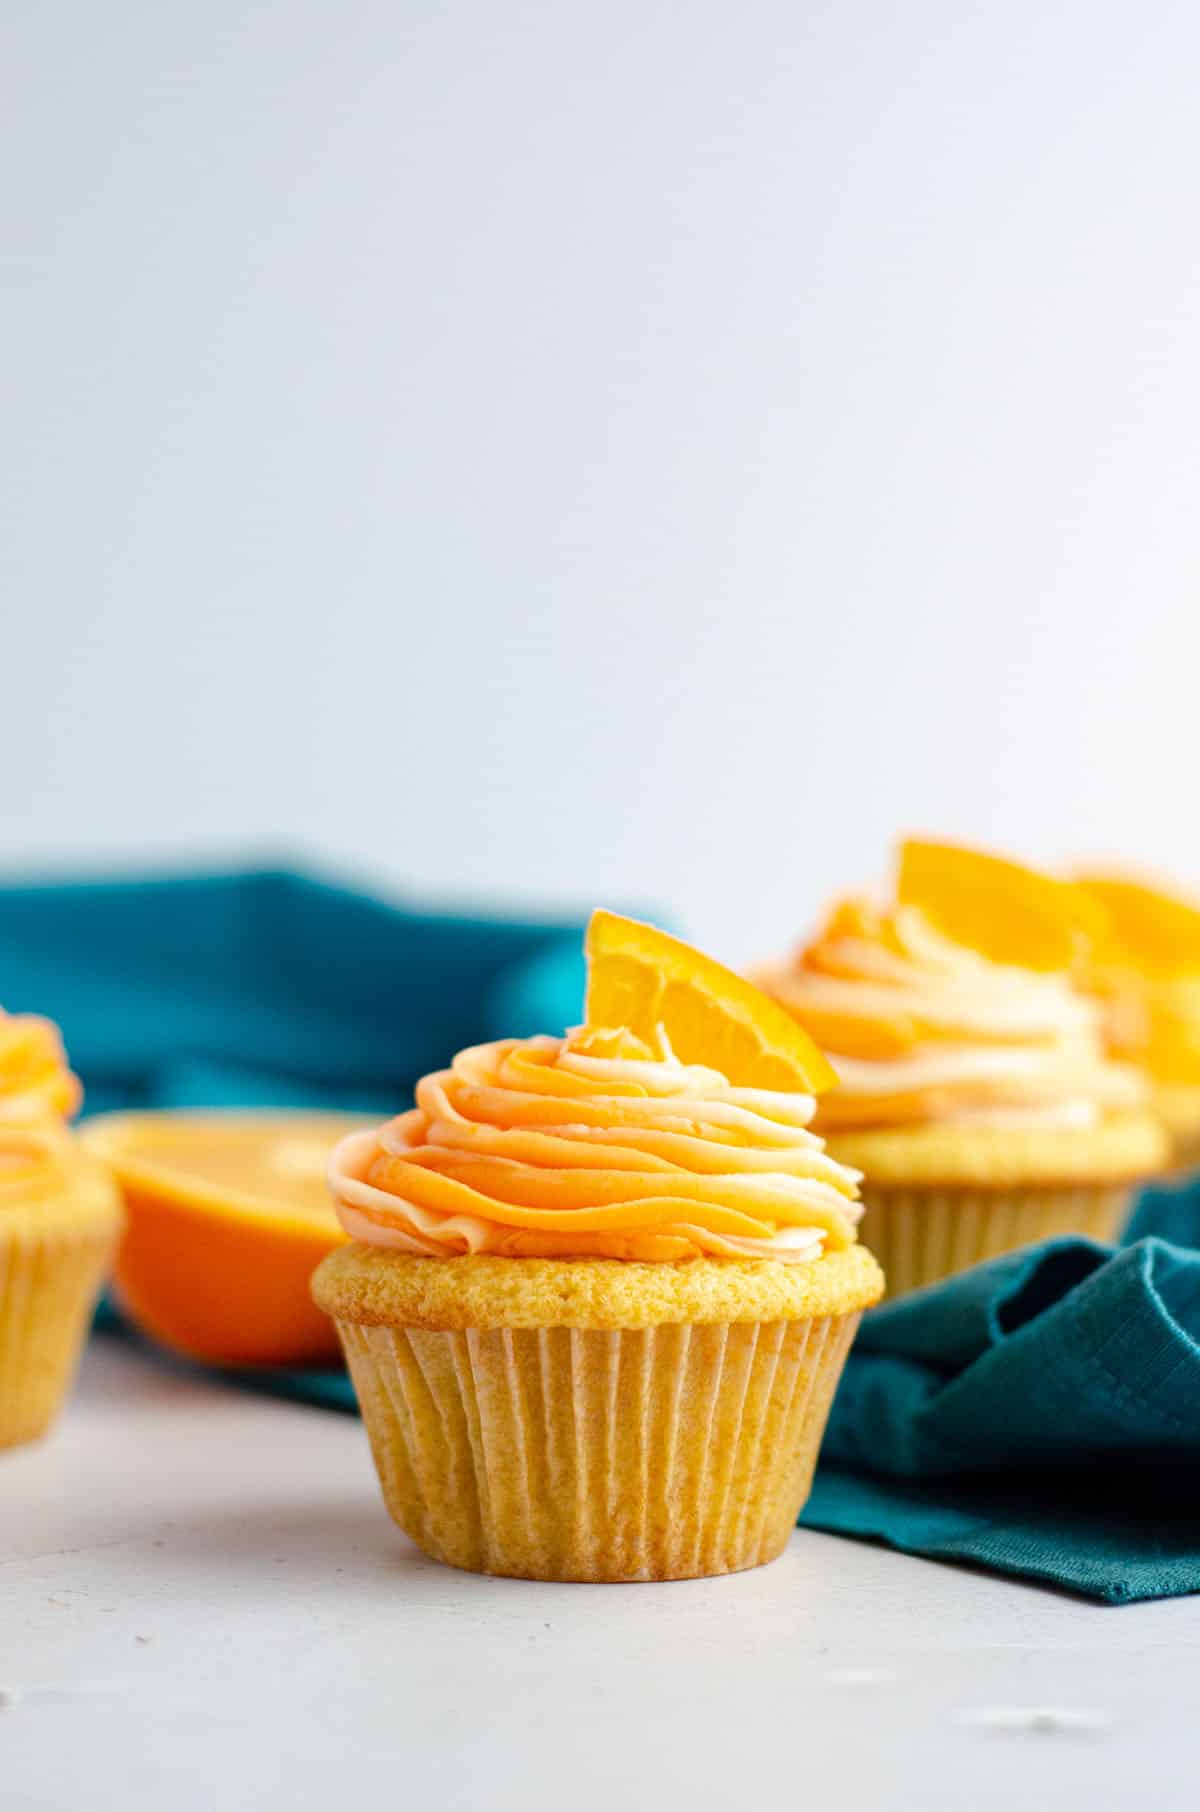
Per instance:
{"type": "Point", "coordinates": [1008, 913]}
{"type": "Point", "coordinates": [1154, 930]}
{"type": "Point", "coordinates": [227, 1216]}
{"type": "Point", "coordinates": [641, 978]}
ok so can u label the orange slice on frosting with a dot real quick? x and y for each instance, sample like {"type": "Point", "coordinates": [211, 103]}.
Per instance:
{"type": "Point", "coordinates": [227, 1216]}
{"type": "Point", "coordinates": [1009, 913]}
{"type": "Point", "coordinates": [1155, 930]}
{"type": "Point", "coordinates": [643, 979]}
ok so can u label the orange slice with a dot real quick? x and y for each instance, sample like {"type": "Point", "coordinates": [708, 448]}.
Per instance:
{"type": "Point", "coordinates": [640, 978]}
{"type": "Point", "coordinates": [228, 1214]}
{"type": "Point", "coordinates": [1156, 930]}
{"type": "Point", "coordinates": [1008, 913]}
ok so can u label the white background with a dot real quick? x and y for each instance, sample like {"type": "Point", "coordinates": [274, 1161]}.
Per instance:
{"type": "Point", "coordinates": [621, 450]}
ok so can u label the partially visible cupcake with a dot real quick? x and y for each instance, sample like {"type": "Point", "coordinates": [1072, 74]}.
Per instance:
{"type": "Point", "coordinates": [59, 1223]}
{"type": "Point", "coordinates": [1147, 977]}
{"type": "Point", "coordinates": [600, 1288]}
{"type": "Point", "coordinates": [974, 1091]}
{"type": "Point", "coordinates": [36, 1086]}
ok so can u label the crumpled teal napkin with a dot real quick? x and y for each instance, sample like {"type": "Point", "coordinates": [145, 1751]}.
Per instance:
{"type": "Point", "coordinates": [1039, 1415]}
{"type": "Point", "coordinates": [272, 988]}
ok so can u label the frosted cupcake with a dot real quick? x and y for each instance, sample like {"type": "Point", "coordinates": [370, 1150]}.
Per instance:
{"type": "Point", "coordinates": [974, 1091]}
{"type": "Point", "coordinates": [59, 1222]}
{"type": "Point", "coordinates": [1147, 977]}
{"type": "Point", "coordinates": [600, 1288]}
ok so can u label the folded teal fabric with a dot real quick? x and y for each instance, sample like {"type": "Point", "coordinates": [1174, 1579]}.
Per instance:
{"type": "Point", "coordinates": [272, 988]}
{"type": "Point", "coordinates": [1039, 1415]}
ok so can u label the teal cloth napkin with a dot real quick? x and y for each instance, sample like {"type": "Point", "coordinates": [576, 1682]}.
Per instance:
{"type": "Point", "coordinates": [1039, 1415]}
{"type": "Point", "coordinates": [270, 988]}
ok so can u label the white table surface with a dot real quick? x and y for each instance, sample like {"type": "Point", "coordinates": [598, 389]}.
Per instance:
{"type": "Point", "coordinates": [203, 1605]}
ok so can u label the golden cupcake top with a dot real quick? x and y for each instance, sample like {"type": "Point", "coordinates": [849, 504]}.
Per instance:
{"type": "Point", "coordinates": [954, 1001]}
{"type": "Point", "coordinates": [619, 1141]}
{"type": "Point", "coordinates": [373, 1287]}
{"type": "Point", "coordinates": [1146, 974]}
{"type": "Point", "coordinates": [35, 1082]}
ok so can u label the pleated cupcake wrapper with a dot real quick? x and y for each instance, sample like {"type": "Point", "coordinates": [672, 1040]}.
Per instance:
{"type": "Point", "coordinates": [581, 1454]}
{"type": "Point", "coordinates": [921, 1235]}
{"type": "Point", "coordinates": [49, 1283]}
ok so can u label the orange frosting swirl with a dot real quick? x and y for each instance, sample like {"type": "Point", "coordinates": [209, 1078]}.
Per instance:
{"type": "Point", "coordinates": [920, 1029]}
{"type": "Point", "coordinates": [35, 1083]}
{"type": "Point", "coordinates": [594, 1146]}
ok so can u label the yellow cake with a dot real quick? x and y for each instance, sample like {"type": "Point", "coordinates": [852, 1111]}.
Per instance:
{"type": "Point", "coordinates": [59, 1224]}
{"type": "Point", "coordinates": [974, 1090]}
{"type": "Point", "coordinates": [1146, 975]}
{"type": "Point", "coordinates": [599, 1291]}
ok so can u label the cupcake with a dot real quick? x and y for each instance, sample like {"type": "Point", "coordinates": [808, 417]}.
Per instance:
{"type": "Point", "coordinates": [59, 1222]}
{"type": "Point", "coordinates": [599, 1289]}
{"type": "Point", "coordinates": [974, 1091]}
{"type": "Point", "coordinates": [1147, 977]}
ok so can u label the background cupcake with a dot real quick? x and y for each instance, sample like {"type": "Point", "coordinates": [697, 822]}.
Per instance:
{"type": "Point", "coordinates": [59, 1222]}
{"type": "Point", "coordinates": [974, 1091]}
{"type": "Point", "coordinates": [1146, 974]}
{"type": "Point", "coordinates": [600, 1289]}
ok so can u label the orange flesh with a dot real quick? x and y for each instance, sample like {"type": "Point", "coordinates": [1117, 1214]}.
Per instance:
{"type": "Point", "coordinates": [228, 1216]}
{"type": "Point", "coordinates": [1154, 930]}
{"type": "Point", "coordinates": [1148, 975]}
{"type": "Point", "coordinates": [641, 978]}
{"type": "Point", "coordinates": [1008, 913]}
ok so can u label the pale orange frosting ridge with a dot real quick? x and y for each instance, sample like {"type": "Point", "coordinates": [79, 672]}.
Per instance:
{"type": "Point", "coordinates": [35, 1083]}
{"type": "Point", "coordinates": [921, 1029]}
{"type": "Point", "coordinates": [594, 1146]}
{"type": "Point", "coordinates": [37, 1094]}
{"type": "Point", "coordinates": [34, 1163]}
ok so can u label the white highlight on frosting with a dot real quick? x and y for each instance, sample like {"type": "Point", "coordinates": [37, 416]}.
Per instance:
{"type": "Point", "coordinates": [1070, 1115]}
{"type": "Point", "coordinates": [947, 1066]}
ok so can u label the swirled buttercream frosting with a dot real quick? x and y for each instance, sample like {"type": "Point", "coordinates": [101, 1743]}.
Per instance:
{"type": "Point", "coordinates": [35, 1083]}
{"type": "Point", "coordinates": [921, 1029]}
{"type": "Point", "coordinates": [595, 1146]}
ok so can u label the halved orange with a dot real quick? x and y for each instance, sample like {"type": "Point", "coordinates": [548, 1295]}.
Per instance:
{"type": "Point", "coordinates": [641, 978]}
{"type": "Point", "coordinates": [228, 1214]}
{"type": "Point", "coordinates": [1007, 912]}
{"type": "Point", "coordinates": [1155, 930]}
